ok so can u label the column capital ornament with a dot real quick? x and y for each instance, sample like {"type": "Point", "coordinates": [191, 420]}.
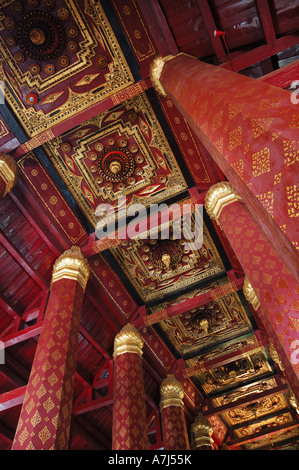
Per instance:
{"type": "Point", "coordinates": [171, 391]}
{"type": "Point", "coordinates": [156, 70]}
{"type": "Point", "coordinates": [250, 294]}
{"type": "Point", "coordinates": [218, 196]}
{"type": "Point", "coordinates": [128, 340]}
{"type": "Point", "coordinates": [8, 171]}
{"type": "Point", "coordinates": [71, 265]}
{"type": "Point", "coordinates": [202, 432]}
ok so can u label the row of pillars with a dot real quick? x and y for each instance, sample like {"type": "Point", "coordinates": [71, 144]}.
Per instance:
{"type": "Point", "coordinates": [45, 417]}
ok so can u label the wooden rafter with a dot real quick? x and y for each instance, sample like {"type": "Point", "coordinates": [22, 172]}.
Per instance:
{"type": "Point", "coordinates": [241, 61]}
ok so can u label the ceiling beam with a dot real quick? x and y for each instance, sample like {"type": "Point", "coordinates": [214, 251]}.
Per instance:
{"type": "Point", "coordinates": [241, 61]}
{"type": "Point", "coordinates": [156, 21]}
{"type": "Point", "coordinates": [12, 310]}
{"type": "Point", "coordinates": [210, 25]}
{"type": "Point", "coordinates": [204, 366]}
{"type": "Point", "coordinates": [151, 222]}
{"type": "Point", "coordinates": [21, 335]}
{"type": "Point", "coordinates": [92, 405]}
{"type": "Point", "coordinates": [94, 343]}
{"type": "Point", "coordinates": [117, 98]}
{"type": "Point", "coordinates": [35, 222]}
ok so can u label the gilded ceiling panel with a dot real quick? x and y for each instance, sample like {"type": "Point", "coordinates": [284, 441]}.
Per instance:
{"type": "Point", "coordinates": [245, 391]}
{"type": "Point", "coordinates": [122, 152]}
{"type": "Point", "coordinates": [207, 325]}
{"type": "Point", "coordinates": [56, 59]}
{"type": "Point", "coordinates": [157, 267]}
{"type": "Point", "coordinates": [251, 366]}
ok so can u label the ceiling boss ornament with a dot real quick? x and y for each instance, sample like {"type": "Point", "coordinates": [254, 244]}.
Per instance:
{"type": "Point", "coordinates": [116, 165]}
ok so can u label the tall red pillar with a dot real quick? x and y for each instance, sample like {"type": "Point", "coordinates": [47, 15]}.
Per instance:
{"type": "Point", "coordinates": [8, 174]}
{"type": "Point", "coordinates": [273, 283]}
{"type": "Point", "coordinates": [250, 129]}
{"type": "Point", "coordinates": [129, 423]}
{"type": "Point", "coordinates": [44, 422]}
{"type": "Point", "coordinates": [174, 429]}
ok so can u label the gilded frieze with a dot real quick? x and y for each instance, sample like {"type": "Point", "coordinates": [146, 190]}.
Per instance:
{"type": "Point", "coordinates": [57, 60]}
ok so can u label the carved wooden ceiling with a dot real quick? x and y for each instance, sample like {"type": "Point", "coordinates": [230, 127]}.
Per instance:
{"type": "Point", "coordinates": [74, 107]}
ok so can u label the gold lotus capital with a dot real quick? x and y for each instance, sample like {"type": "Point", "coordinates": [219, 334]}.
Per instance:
{"type": "Point", "coordinates": [171, 391]}
{"type": "Point", "coordinates": [218, 196]}
{"type": "Point", "coordinates": [71, 265]}
{"type": "Point", "coordinates": [250, 294]}
{"type": "Point", "coordinates": [201, 431]}
{"type": "Point", "coordinates": [156, 70]}
{"type": "Point", "coordinates": [8, 171]}
{"type": "Point", "coordinates": [128, 340]}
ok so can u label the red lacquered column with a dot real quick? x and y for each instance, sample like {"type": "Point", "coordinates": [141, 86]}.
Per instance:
{"type": "Point", "coordinates": [8, 174]}
{"type": "Point", "coordinates": [250, 129]}
{"type": "Point", "coordinates": [129, 424]}
{"type": "Point", "coordinates": [45, 418]}
{"type": "Point", "coordinates": [275, 287]}
{"type": "Point", "coordinates": [174, 429]}
{"type": "Point", "coordinates": [201, 433]}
